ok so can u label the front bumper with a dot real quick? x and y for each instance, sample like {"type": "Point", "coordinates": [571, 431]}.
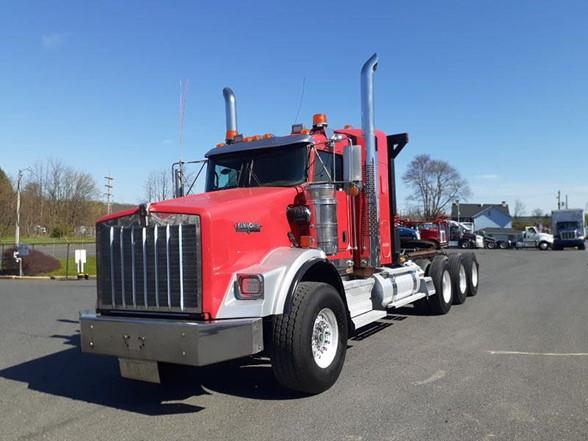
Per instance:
{"type": "Point", "coordinates": [194, 343]}
{"type": "Point", "coordinates": [568, 243]}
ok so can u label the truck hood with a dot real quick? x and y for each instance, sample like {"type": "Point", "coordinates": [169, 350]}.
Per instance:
{"type": "Point", "coordinates": [235, 201]}
{"type": "Point", "coordinates": [218, 203]}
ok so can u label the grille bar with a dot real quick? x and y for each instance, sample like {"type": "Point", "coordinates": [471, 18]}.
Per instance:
{"type": "Point", "coordinates": [152, 268]}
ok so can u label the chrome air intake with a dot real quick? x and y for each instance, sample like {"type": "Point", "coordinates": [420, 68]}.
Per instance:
{"type": "Point", "coordinates": [323, 208]}
{"type": "Point", "coordinates": [150, 264]}
{"type": "Point", "coordinates": [371, 183]}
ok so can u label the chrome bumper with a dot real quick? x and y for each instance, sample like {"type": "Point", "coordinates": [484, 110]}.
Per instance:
{"type": "Point", "coordinates": [172, 341]}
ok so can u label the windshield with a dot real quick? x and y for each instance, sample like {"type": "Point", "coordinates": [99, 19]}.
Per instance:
{"type": "Point", "coordinates": [568, 225]}
{"type": "Point", "coordinates": [275, 167]}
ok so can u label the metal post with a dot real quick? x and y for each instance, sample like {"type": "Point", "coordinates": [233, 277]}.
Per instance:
{"type": "Point", "coordinates": [67, 262]}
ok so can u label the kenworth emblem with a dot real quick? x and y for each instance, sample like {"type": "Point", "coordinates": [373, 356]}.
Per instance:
{"type": "Point", "coordinates": [247, 227]}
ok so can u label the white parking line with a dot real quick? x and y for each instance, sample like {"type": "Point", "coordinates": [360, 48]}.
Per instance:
{"type": "Point", "coordinates": [554, 354]}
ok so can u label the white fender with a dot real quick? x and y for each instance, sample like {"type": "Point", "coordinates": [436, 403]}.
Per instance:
{"type": "Point", "coordinates": [278, 268]}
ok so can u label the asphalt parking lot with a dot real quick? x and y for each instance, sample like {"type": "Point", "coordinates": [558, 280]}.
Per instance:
{"type": "Point", "coordinates": [509, 364]}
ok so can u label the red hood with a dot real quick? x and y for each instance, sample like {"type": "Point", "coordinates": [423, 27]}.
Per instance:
{"type": "Point", "coordinates": [219, 203]}
{"type": "Point", "coordinates": [215, 202]}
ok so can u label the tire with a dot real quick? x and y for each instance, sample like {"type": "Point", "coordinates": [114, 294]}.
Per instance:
{"type": "Point", "coordinates": [441, 302]}
{"type": "Point", "coordinates": [491, 245]}
{"type": "Point", "coordinates": [295, 363]}
{"type": "Point", "coordinates": [502, 245]}
{"type": "Point", "coordinates": [543, 246]}
{"type": "Point", "coordinates": [582, 247]}
{"type": "Point", "coordinates": [465, 245]}
{"type": "Point", "coordinates": [472, 268]}
{"type": "Point", "coordinates": [459, 283]}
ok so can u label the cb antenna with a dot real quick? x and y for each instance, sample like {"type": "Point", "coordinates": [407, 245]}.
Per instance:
{"type": "Point", "coordinates": [183, 97]}
{"type": "Point", "coordinates": [301, 100]}
{"type": "Point", "coordinates": [179, 173]}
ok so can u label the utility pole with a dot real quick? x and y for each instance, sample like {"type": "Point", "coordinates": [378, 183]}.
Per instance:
{"type": "Point", "coordinates": [17, 232]}
{"type": "Point", "coordinates": [457, 204]}
{"type": "Point", "coordinates": [108, 193]}
{"type": "Point", "coordinates": [558, 199]}
{"type": "Point", "coordinates": [567, 202]}
{"type": "Point", "coordinates": [17, 229]}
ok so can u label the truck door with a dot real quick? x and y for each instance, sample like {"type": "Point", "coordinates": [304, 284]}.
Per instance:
{"type": "Point", "coordinates": [531, 237]}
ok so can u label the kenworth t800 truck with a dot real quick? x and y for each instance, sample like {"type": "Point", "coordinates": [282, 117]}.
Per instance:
{"type": "Point", "coordinates": [288, 252]}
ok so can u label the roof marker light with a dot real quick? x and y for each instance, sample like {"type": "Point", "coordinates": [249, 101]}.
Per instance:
{"type": "Point", "coordinates": [319, 120]}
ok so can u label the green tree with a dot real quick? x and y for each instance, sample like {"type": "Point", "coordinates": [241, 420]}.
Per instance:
{"type": "Point", "coordinates": [7, 201]}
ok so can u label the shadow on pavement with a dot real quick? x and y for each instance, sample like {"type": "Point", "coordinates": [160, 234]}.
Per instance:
{"type": "Point", "coordinates": [96, 379]}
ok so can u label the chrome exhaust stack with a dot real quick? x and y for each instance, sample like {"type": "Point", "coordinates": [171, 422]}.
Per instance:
{"type": "Point", "coordinates": [231, 114]}
{"type": "Point", "coordinates": [370, 181]}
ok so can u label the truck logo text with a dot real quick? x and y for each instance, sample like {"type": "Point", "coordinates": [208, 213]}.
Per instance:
{"type": "Point", "coordinates": [247, 227]}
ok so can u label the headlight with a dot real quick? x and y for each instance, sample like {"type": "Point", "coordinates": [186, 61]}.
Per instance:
{"type": "Point", "coordinates": [249, 287]}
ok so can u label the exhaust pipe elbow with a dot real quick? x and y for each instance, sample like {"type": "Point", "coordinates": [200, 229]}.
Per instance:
{"type": "Point", "coordinates": [367, 104]}
{"type": "Point", "coordinates": [230, 113]}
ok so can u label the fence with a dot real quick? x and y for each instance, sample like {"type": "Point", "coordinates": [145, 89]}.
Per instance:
{"type": "Point", "coordinates": [62, 251]}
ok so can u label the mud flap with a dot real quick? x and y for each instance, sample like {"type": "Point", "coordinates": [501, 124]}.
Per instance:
{"type": "Point", "coordinates": [142, 370]}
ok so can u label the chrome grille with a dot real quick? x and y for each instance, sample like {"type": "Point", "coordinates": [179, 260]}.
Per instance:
{"type": "Point", "coordinates": [568, 235]}
{"type": "Point", "coordinates": [149, 268]}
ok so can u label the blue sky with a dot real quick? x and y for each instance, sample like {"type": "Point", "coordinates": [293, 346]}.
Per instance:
{"type": "Point", "coordinates": [498, 88]}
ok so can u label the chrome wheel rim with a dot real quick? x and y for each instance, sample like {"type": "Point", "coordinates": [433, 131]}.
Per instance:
{"type": "Point", "coordinates": [474, 274]}
{"type": "Point", "coordinates": [325, 338]}
{"type": "Point", "coordinates": [463, 281]}
{"type": "Point", "coordinates": [446, 287]}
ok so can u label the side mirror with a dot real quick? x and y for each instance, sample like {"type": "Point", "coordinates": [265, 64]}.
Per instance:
{"type": "Point", "coordinates": [352, 164]}
{"type": "Point", "coordinates": [178, 183]}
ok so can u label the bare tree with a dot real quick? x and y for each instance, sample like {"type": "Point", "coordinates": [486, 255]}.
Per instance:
{"type": "Point", "coordinates": [519, 208]}
{"type": "Point", "coordinates": [158, 185]}
{"type": "Point", "coordinates": [537, 212]}
{"type": "Point", "coordinates": [434, 184]}
{"type": "Point", "coordinates": [57, 197]}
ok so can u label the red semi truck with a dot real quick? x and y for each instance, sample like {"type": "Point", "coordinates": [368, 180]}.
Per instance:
{"type": "Point", "coordinates": [436, 231]}
{"type": "Point", "coordinates": [288, 252]}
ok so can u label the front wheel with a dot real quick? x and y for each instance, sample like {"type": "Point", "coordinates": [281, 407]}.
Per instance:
{"type": "Point", "coordinates": [310, 341]}
{"type": "Point", "coordinates": [543, 246]}
{"type": "Point", "coordinates": [465, 244]}
{"type": "Point", "coordinates": [491, 245]}
{"type": "Point", "coordinates": [502, 245]}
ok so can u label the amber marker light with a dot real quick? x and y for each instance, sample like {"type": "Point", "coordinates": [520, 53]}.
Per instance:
{"type": "Point", "coordinates": [231, 135]}
{"type": "Point", "coordinates": [319, 120]}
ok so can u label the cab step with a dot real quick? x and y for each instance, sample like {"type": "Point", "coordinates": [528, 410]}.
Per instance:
{"type": "Point", "coordinates": [367, 318]}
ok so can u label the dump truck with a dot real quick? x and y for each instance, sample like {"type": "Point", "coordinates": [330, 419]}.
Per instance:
{"type": "Point", "coordinates": [289, 251]}
{"type": "Point", "coordinates": [568, 228]}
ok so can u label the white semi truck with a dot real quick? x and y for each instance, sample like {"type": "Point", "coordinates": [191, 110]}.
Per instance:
{"type": "Point", "coordinates": [568, 228]}
{"type": "Point", "coordinates": [533, 238]}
